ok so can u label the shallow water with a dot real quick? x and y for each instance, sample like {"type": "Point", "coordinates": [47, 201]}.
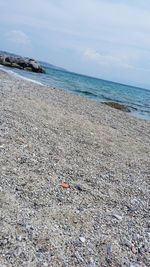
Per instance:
{"type": "Point", "coordinates": [136, 99]}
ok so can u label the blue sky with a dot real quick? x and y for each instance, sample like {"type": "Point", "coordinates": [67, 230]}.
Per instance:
{"type": "Point", "coordinates": [109, 39]}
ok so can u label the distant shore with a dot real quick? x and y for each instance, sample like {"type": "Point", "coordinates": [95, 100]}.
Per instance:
{"type": "Point", "coordinates": [48, 136]}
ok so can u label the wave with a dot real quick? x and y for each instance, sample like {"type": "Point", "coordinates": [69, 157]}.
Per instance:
{"type": "Point", "coordinates": [15, 74]}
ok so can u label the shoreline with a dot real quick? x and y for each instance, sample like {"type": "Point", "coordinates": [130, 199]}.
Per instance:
{"type": "Point", "coordinates": [49, 136]}
{"type": "Point", "coordinates": [14, 74]}
{"type": "Point", "coordinates": [135, 112]}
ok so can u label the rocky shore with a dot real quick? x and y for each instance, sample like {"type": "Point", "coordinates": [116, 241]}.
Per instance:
{"type": "Point", "coordinates": [74, 180]}
{"type": "Point", "coordinates": [19, 62]}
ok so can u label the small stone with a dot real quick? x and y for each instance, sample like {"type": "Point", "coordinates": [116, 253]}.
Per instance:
{"type": "Point", "coordinates": [82, 239]}
{"type": "Point", "coordinates": [92, 261]}
{"type": "Point", "coordinates": [77, 211]}
{"type": "Point", "coordinates": [133, 249]}
{"type": "Point", "coordinates": [78, 187]}
{"type": "Point", "coordinates": [148, 235]}
{"type": "Point", "coordinates": [45, 264]}
{"type": "Point", "coordinates": [17, 252]}
{"type": "Point", "coordinates": [14, 170]}
{"type": "Point", "coordinates": [29, 227]}
{"type": "Point", "coordinates": [3, 242]}
{"type": "Point", "coordinates": [65, 185]}
{"type": "Point", "coordinates": [75, 221]}
{"type": "Point", "coordinates": [109, 249]}
{"type": "Point", "coordinates": [2, 146]}
{"type": "Point", "coordinates": [118, 217]}
{"type": "Point", "coordinates": [3, 168]}
{"type": "Point", "coordinates": [126, 242]}
{"type": "Point", "coordinates": [19, 238]}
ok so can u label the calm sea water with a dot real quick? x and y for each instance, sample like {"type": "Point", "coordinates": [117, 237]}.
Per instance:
{"type": "Point", "coordinates": [136, 99]}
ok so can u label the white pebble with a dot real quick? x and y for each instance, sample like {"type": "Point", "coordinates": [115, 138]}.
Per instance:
{"type": "Point", "coordinates": [82, 239]}
{"type": "Point", "coordinates": [118, 217]}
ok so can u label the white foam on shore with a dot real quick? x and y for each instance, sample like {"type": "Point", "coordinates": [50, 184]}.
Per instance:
{"type": "Point", "coordinates": [13, 73]}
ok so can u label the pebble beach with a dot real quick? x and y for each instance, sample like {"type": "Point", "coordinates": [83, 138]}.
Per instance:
{"type": "Point", "coordinates": [50, 138]}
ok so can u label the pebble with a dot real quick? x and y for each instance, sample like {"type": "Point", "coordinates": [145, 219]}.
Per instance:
{"type": "Point", "coordinates": [75, 221]}
{"type": "Point", "coordinates": [17, 252]}
{"type": "Point", "coordinates": [126, 242]}
{"type": "Point", "coordinates": [45, 264]}
{"type": "Point", "coordinates": [77, 211]}
{"type": "Point", "coordinates": [19, 238]}
{"type": "Point", "coordinates": [109, 249]}
{"type": "Point", "coordinates": [3, 242]}
{"type": "Point", "coordinates": [82, 239]}
{"type": "Point", "coordinates": [92, 261]}
{"type": "Point", "coordinates": [78, 187]}
{"type": "Point", "coordinates": [148, 235]}
{"type": "Point", "coordinates": [133, 249]}
{"type": "Point", "coordinates": [28, 227]}
{"type": "Point", "coordinates": [118, 217]}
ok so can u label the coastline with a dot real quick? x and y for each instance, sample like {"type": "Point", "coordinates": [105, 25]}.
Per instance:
{"type": "Point", "coordinates": [49, 135]}
{"type": "Point", "coordinates": [127, 98]}
{"type": "Point", "coordinates": [14, 74]}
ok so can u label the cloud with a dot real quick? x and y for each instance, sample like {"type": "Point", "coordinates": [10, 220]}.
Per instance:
{"type": "Point", "coordinates": [18, 37]}
{"type": "Point", "coordinates": [91, 54]}
{"type": "Point", "coordinates": [107, 58]}
{"type": "Point", "coordinates": [88, 36]}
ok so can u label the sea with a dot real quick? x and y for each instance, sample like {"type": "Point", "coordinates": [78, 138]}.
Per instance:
{"type": "Point", "coordinates": [136, 99]}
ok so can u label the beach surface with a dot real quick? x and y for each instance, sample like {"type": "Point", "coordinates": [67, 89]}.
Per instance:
{"type": "Point", "coordinates": [48, 136]}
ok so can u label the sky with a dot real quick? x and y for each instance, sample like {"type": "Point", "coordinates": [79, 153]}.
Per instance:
{"type": "Point", "coordinates": [108, 39]}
